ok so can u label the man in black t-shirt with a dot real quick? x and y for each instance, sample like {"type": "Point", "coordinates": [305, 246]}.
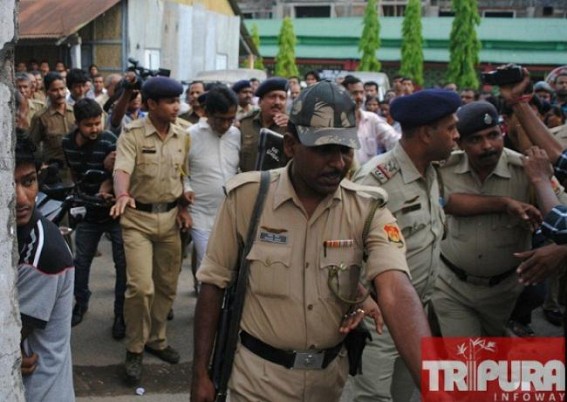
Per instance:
{"type": "Point", "coordinates": [86, 148]}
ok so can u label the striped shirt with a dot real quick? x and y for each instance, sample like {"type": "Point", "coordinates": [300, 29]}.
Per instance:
{"type": "Point", "coordinates": [89, 156]}
{"type": "Point", "coordinates": [554, 225]}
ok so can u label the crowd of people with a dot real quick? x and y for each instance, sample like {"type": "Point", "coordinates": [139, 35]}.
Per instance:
{"type": "Point", "coordinates": [440, 193]}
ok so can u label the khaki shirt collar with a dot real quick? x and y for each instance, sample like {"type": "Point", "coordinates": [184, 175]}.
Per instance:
{"type": "Point", "coordinates": [502, 169]}
{"type": "Point", "coordinates": [285, 190]}
{"type": "Point", "coordinates": [409, 172]}
{"type": "Point", "coordinates": [149, 129]}
{"type": "Point", "coordinates": [52, 111]}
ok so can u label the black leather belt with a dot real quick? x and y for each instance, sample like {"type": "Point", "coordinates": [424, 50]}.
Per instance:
{"type": "Point", "coordinates": [315, 359]}
{"type": "Point", "coordinates": [156, 208]}
{"type": "Point", "coordinates": [477, 280]}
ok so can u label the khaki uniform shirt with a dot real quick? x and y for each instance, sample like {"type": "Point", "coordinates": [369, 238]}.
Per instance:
{"type": "Point", "coordinates": [48, 127]}
{"type": "Point", "coordinates": [190, 116]}
{"type": "Point", "coordinates": [415, 202]}
{"type": "Point", "coordinates": [289, 304]}
{"type": "Point", "coordinates": [34, 107]}
{"type": "Point", "coordinates": [156, 167]}
{"type": "Point", "coordinates": [483, 245]}
{"type": "Point", "coordinates": [250, 129]}
{"type": "Point", "coordinates": [243, 112]}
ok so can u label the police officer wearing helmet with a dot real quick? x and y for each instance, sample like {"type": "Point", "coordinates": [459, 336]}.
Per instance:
{"type": "Point", "coordinates": [148, 184]}
{"type": "Point", "coordinates": [309, 230]}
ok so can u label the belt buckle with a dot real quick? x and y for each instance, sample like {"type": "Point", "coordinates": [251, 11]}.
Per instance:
{"type": "Point", "coordinates": [477, 280]}
{"type": "Point", "coordinates": [159, 208]}
{"type": "Point", "coordinates": [308, 360]}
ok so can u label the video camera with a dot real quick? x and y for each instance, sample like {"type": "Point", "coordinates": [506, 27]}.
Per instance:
{"type": "Point", "coordinates": [509, 74]}
{"type": "Point", "coordinates": [142, 74]}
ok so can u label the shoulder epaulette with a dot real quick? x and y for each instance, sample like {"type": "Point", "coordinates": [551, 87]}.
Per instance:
{"type": "Point", "coordinates": [384, 170]}
{"type": "Point", "coordinates": [134, 124]}
{"type": "Point", "coordinates": [245, 178]}
{"type": "Point", "coordinates": [454, 159]}
{"type": "Point", "coordinates": [514, 158]}
{"type": "Point", "coordinates": [376, 193]}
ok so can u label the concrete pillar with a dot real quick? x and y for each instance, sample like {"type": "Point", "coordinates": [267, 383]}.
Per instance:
{"type": "Point", "coordinates": [75, 42]}
{"type": "Point", "coordinates": [11, 388]}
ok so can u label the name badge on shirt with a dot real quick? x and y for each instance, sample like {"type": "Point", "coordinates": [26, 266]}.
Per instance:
{"type": "Point", "coordinates": [270, 235]}
{"type": "Point", "coordinates": [149, 150]}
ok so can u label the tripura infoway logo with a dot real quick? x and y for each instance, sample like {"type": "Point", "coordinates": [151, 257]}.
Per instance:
{"type": "Point", "coordinates": [493, 369]}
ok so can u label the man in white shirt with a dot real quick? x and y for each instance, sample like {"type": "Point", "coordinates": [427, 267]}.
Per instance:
{"type": "Point", "coordinates": [374, 133]}
{"type": "Point", "coordinates": [213, 159]}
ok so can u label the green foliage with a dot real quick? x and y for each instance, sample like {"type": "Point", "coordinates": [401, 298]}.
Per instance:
{"type": "Point", "coordinates": [464, 45]}
{"type": "Point", "coordinates": [258, 62]}
{"type": "Point", "coordinates": [412, 43]}
{"type": "Point", "coordinates": [370, 39]}
{"type": "Point", "coordinates": [285, 59]}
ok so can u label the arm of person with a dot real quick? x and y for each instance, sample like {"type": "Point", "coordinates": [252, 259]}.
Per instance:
{"type": "Point", "coordinates": [121, 105]}
{"type": "Point", "coordinates": [404, 316]}
{"type": "Point", "coordinates": [207, 314]}
{"type": "Point", "coordinates": [540, 263]}
{"type": "Point", "coordinates": [533, 127]}
{"type": "Point", "coordinates": [29, 362]}
{"type": "Point", "coordinates": [539, 170]}
{"type": "Point", "coordinates": [461, 204]}
{"type": "Point", "coordinates": [123, 197]}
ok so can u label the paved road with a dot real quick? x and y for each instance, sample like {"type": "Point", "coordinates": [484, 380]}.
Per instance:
{"type": "Point", "coordinates": [98, 358]}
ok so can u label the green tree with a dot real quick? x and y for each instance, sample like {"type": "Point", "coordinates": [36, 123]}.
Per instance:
{"type": "Point", "coordinates": [370, 39]}
{"type": "Point", "coordinates": [464, 45]}
{"type": "Point", "coordinates": [412, 43]}
{"type": "Point", "coordinates": [258, 61]}
{"type": "Point", "coordinates": [285, 59]}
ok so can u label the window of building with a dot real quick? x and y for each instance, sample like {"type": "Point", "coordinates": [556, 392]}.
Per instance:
{"type": "Point", "coordinates": [498, 14]}
{"type": "Point", "coordinates": [393, 10]}
{"type": "Point", "coordinates": [312, 11]}
{"type": "Point", "coordinates": [446, 13]}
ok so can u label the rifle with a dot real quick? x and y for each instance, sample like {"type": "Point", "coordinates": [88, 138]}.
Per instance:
{"type": "Point", "coordinates": [233, 303]}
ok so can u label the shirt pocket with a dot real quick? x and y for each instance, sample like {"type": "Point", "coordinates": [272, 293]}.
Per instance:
{"type": "Point", "coordinates": [270, 269]}
{"type": "Point", "coordinates": [148, 164]}
{"type": "Point", "coordinates": [340, 273]}
{"type": "Point", "coordinates": [177, 167]}
{"type": "Point", "coordinates": [506, 230]}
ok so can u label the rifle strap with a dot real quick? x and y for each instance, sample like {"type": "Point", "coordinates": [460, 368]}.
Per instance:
{"type": "Point", "coordinates": [242, 279]}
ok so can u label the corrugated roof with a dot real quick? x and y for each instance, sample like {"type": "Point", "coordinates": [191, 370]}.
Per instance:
{"type": "Point", "coordinates": [504, 40]}
{"type": "Point", "coordinates": [55, 19]}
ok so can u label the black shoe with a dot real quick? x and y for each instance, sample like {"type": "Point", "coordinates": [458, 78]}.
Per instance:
{"type": "Point", "coordinates": [133, 368]}
{"type": "Point", "coordinates": [78, 313]}
{"type": "Point", "coordinates": [118, 328]}
{"type": "Point", "coordinates": [168, 354]}
{"type": "Point", "coordinates": [170, 315]}
{"type": "Point", "coordinates": [554, 317]}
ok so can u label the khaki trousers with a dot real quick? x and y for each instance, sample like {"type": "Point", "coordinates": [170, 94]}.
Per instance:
{"type": "Point", "coordinates": [153, 260]}
{"type": "Point", "coordinates": [385, 377]}
{"type": "Point", "coordinates": [468, 310]}
{"type": "Point", "coordinates": [256, 379]}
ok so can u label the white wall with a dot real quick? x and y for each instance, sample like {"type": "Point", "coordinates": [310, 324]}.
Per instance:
{"type": "Point", "coordinates": [11, 388]}
{"type": "Point", "coordinates": [189, 38]}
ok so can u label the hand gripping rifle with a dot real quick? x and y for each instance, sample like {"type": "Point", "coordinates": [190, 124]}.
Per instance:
{"type": "Point", "coordinates": [233, 303]}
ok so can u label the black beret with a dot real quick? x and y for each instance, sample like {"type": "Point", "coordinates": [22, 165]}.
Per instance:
{"type": "Point", "coordinates": [271, 84]}
{"type": "Point", "coordinates": [240, 85]}
{"type": "Point", "coordinates": [161, 87]}
{"type": "Point", "coordinates": [476, 116]}
{"type": "Point", "coordinates": [424, 107]}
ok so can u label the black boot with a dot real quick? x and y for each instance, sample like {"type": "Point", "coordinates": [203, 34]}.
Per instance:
{"type": "Point", "coordinates": [78, 313]}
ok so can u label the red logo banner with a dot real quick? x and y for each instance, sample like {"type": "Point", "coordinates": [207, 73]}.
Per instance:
{"type": "Point", "coordinates": [493, 369]}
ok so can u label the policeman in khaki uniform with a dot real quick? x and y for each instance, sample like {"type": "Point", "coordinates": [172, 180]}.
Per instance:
{"type": "Point", "coordinates": [271, 115]}
{"type": "Point", "coordinates": [148, 183]}
{"type": "Point", "coordinates": [477, 285]}
{"type": "Point", "coordinates": [429, 132]}
{"type": "Point", "coordinates": [51, 124]}
{"type": "Point", "coordinates": [310, 227]}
